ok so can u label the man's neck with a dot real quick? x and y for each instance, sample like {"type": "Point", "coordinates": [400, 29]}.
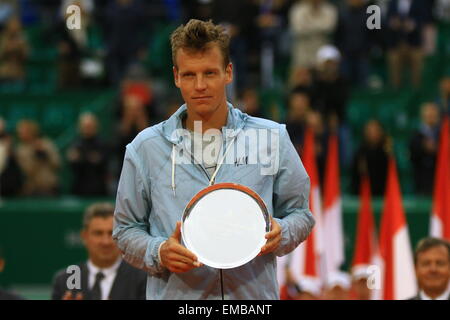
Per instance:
{"type": "Point", "coordinates": [434, 294]}
{"type": "Point", "coordinates": [217, 120]}
{"type": "Point", "coordinates": [102, 264]}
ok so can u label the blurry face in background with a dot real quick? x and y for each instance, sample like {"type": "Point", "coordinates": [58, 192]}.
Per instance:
{"type": "Point", "coordinates": [13, 25]}
{"type": "Point", "coordinates": [2, 126]}
{"type": "Point", "coordinates": [202, 79]}
{"type": "Point", "coordinates": [355, 3]}
{"type": "Point", "coordinates": [132, 106]}
{"type": "Point", "coordinates": [315, 122]}
{"type": "Point", "coordinates": [27, 131]}
{"type": "Point", "coordinates": [430, 114]}
{"type": "Point", "coordinates": [433, 270]}
{"type": "Point", "coordinates": [250, 100]}
{"type": "Point", "coordinates": [361, 289]}
{"type": "Point", "coordinates": [301, 77]}
{"type": "Point", "coordinates": [373, 132]}
{"type": "Point", "coordinates": [88, 126]}
{"type": "Point", "coordinates": [298, 106]}
{"type": "Point", "coordinates": [445, 86]}
{"type": "Point", "coordinates": [97, 238]}
{"type": "Point", "coordinates": [329, 69]}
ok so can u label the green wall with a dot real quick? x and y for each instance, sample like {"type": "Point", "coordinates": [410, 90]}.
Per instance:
{"type": "Point", "coordinates": [40, 237]}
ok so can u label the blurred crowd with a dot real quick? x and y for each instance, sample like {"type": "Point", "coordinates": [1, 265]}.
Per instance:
{"type": "Point", "coordinates": [326, 44]}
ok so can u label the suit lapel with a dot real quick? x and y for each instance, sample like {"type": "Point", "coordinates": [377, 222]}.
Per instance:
{"type": "Point", "coordinates": [119, 283]}
{"type": "Point", "coordinates": [85, 282]}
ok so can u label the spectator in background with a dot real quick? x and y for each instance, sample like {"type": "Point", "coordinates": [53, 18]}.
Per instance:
{"type": "Point", "coordinates": [234, 15]}
{"type": "Point", "coordinates": [442, 10]}
{"type": "Point", "coordinates": [8, 9]}
{"type": "Point", "coordinates": [38, 159]}
{"type": "Point", "coordinates": [134, 119]}
{"type": "Point", "coordinates": [331, 89]}
{"type": "Point", "coordinates": [271, 20]}
{"type": "Point", "coordinates": [6, 295]}
{"type": "Point", "coordinates": [251, 103]}
{"type": "Point", "coordinates": [432, 264]}
{"type": "Point", "coordinates": [406, 20]}
{"type": "Point", "coordinates": [10, 175]}
{"type": "Point", "coordinates": [13, 52]}
{"type": "Point", "coordinates": [371, 158]}
{"type": "Point", "coordinates": [444, 99]}
{"type": "Point", "coordinates": [88, 158]}
{"type": "Point", "coordinates": [312, 23]}
{"type": "Point", "coordinates": [331, 92]}
{"type": "Point", "coordinates": [353, 41]}
{"type": "Point", "coordinates": [301, 77]}
{"type": "Point", "coordinates": [423, 148]}
{"type": "Point", "coordinates": [72, 43]}
{"type": "Point", "coordinates": [315, 122]}
{"type": "Point", "coordinates": [105, 276]}
{"type": "Point", "coordinates": [126, 34]}
{"type": "Point", "coordinates": [299, 105]}
{"type": "Point", "coordinates": [138, 84]}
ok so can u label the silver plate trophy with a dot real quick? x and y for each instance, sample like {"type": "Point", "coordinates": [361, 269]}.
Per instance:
{"type": "Point", "coordinates": [225, 225]}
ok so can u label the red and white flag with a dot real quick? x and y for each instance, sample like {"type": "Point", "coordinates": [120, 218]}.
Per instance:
{"type": "Point", "coordinates": [440, 214]}
{"type": "Point", "coordinates": [332, 213]}
{"type": "Point", "coordinates": [306, 259]}
{"type": "Point", "coordinates": [366, 252]}
{"type": "Point", "coordinates": [397, 271]}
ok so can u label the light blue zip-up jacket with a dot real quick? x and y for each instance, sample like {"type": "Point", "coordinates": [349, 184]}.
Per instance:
{"type": "Point", "coordinates": [154, 190]}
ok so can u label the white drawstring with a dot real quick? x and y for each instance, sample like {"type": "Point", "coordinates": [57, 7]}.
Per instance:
{"type": "Point", "coordinates": [211, 182]}
{"type": "Point", "coordinates": [219, 164]}
{"type": "Point", "coordinates": [173, 169]}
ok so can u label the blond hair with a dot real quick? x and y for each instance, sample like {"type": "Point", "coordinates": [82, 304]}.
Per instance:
{"type": "Point", "coordinates": [198, 35]}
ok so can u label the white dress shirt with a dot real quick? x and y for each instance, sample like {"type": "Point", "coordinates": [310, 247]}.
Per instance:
{"type": "Point", "coordinates": [107, 282]}
{"type": "Point", "coordinates": [443, 296]}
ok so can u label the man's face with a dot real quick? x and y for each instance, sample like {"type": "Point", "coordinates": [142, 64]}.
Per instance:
{"type": "Point", "coordinates": [433, 269]}
{"type": "Point", "coordinates": [88, 127]}
{"type": "Point", "coordinates": [98, 240]}
{"type": "Point", "coordinates": [202, 79]}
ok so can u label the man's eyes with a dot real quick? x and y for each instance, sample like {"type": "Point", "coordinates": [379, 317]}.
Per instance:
{"type": "Point", "coordinates": [207, 73]}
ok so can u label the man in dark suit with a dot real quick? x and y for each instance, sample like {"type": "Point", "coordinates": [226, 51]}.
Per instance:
{"type": "Point", "coordinates": [104, 276]}
{"type": "Point", "coordinates": [432, 263]}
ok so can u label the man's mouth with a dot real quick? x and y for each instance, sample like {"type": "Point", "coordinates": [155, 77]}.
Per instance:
{"type": "Point", "coordinates": [202, 98]}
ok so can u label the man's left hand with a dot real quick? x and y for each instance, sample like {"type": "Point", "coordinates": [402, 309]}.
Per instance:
{"type": "Point", "coordinates": [273, 238]}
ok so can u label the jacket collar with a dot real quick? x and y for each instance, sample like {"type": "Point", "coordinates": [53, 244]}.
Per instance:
{"type": "Point", "coordinates": [172, 127]}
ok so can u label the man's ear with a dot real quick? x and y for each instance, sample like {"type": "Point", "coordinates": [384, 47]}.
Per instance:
{"type": "Point", "coordinates": [175, 76]}
{"type": "Point", "coordinates": [229, 73]}
{"type": "Point", "coordinates": [2, 265]}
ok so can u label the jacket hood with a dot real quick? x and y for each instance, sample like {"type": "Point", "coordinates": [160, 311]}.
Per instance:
{"type": "Point", "coordinates": [236, 120]}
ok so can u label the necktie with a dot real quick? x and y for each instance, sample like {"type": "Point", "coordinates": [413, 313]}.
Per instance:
{"type": "Point", "coordinates": [96, 292]}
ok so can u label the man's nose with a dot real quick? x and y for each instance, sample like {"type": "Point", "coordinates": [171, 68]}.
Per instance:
{"type": "Point", "coordinates": [200, 83]}
{"type": "Point", "coordinates": [107, 239]}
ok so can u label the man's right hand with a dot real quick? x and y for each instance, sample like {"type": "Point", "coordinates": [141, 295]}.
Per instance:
{"type": "Point", "coordinates": [175, 257]}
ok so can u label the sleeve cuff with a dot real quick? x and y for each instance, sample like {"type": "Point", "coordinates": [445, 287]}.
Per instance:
{"type": "Point", "coordinates": [159, 254]}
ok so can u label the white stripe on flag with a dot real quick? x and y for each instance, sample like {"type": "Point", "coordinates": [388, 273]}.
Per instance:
{"type": "Point", "coordinates": [404, 275]}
